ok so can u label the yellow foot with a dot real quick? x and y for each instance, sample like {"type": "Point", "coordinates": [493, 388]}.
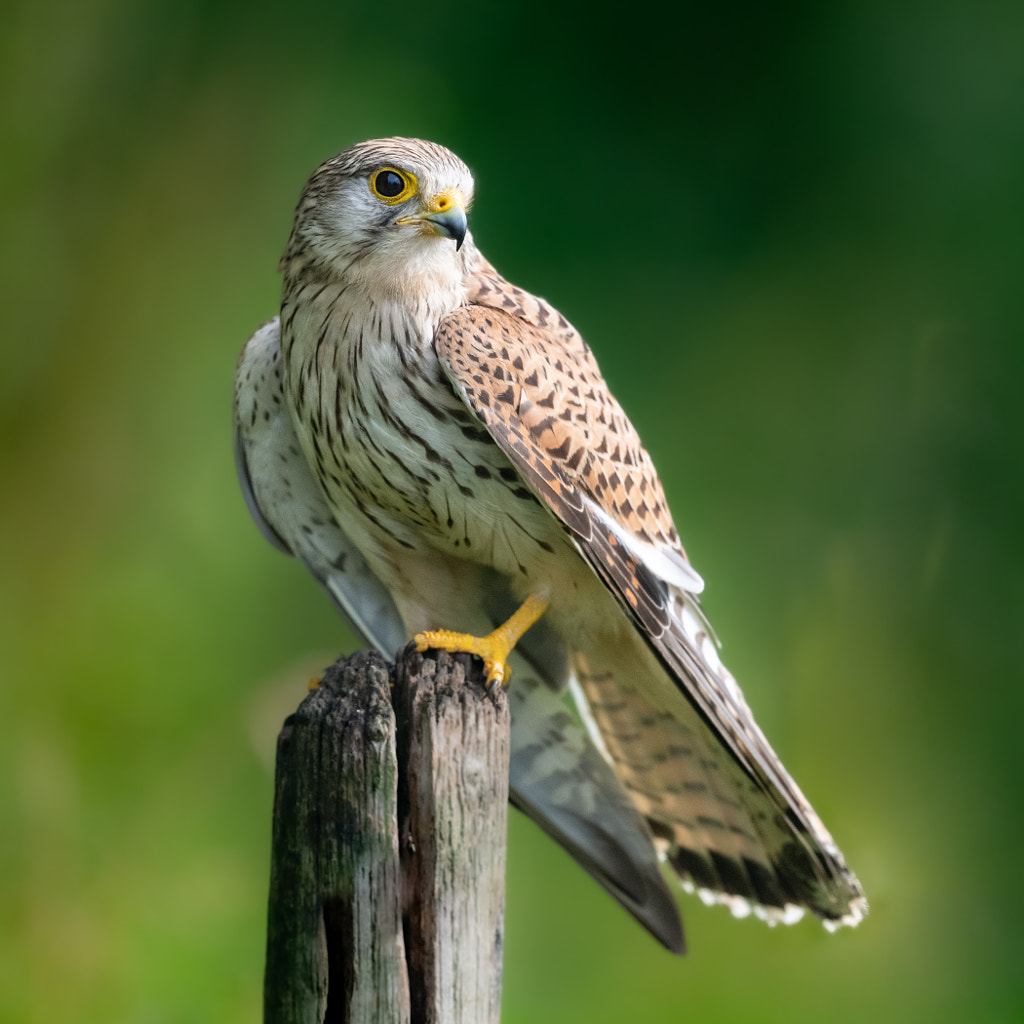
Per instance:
{"type": "Point", "coordinates": [493, 648]}
{"type": "Point", "coordinates": [314, 683]}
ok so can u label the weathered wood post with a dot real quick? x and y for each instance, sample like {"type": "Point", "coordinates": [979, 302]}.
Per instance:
{"type": "Point", "coordinates": [387, 883]}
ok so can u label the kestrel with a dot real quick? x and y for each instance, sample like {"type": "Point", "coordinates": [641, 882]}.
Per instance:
{"type": "Point", "coordinates": [438, 447]}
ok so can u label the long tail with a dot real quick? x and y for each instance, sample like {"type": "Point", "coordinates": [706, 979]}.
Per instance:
{"type": "Point", "coordinates": [724, 835]}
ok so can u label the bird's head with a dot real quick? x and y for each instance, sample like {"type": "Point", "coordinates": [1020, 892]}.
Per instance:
{"type": "Point", "coordinates": [386, 215]}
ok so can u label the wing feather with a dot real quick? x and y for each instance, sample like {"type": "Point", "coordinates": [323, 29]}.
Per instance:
{"type": "Point", "coordinates": [286, 501]}
{"type": "Point", "coordinates": [533, 382]}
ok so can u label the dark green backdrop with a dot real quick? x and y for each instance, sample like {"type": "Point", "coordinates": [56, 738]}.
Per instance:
{"type": "Point", "coordinates": [793, 236]}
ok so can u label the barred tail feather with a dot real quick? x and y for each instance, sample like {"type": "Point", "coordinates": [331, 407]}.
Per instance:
{"type": "Point", "coordinates": [724, 836]}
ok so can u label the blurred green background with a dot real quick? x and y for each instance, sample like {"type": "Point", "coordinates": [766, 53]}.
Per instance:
{"type": "Point", "coordinates": [793, 236]}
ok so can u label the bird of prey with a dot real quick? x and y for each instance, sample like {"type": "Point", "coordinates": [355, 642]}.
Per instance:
{"type": "Point", "coordinates": [440, 450]}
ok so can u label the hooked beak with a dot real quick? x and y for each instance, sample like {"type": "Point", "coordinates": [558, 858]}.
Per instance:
{"type": "Point", "coordinates": [450, 222]}
{"type": "Point", "coordinates": [444, 214]}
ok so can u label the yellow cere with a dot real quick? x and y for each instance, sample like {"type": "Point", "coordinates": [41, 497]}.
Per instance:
{"type": "Point", "coordinates": [446, 200]}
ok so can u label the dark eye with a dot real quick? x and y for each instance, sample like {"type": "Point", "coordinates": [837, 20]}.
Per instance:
{"type": "Point", "coordinates": [389, 184]}
{"type": "Point", "coordinates": [392, 186]}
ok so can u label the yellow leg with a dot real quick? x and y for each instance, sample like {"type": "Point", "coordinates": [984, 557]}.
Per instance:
{"type": "Point", "coordinates": [493, 648]}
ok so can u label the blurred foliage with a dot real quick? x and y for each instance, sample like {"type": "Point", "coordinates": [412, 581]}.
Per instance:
{"type": "Point", "coordinates": [793, 236]}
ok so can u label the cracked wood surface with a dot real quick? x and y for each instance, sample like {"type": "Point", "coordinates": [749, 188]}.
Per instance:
{"type": "Point", "coordinates": [388, 857]}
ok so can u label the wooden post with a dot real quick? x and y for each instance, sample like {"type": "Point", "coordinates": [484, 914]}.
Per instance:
{"type": "Point", "coordinates": [387, 878]}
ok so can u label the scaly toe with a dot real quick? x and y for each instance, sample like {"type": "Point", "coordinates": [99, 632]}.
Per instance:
{"type": "Point", "coordinates": [492, 649]}
{"type": "Point", "coordinates": [497, 673]}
